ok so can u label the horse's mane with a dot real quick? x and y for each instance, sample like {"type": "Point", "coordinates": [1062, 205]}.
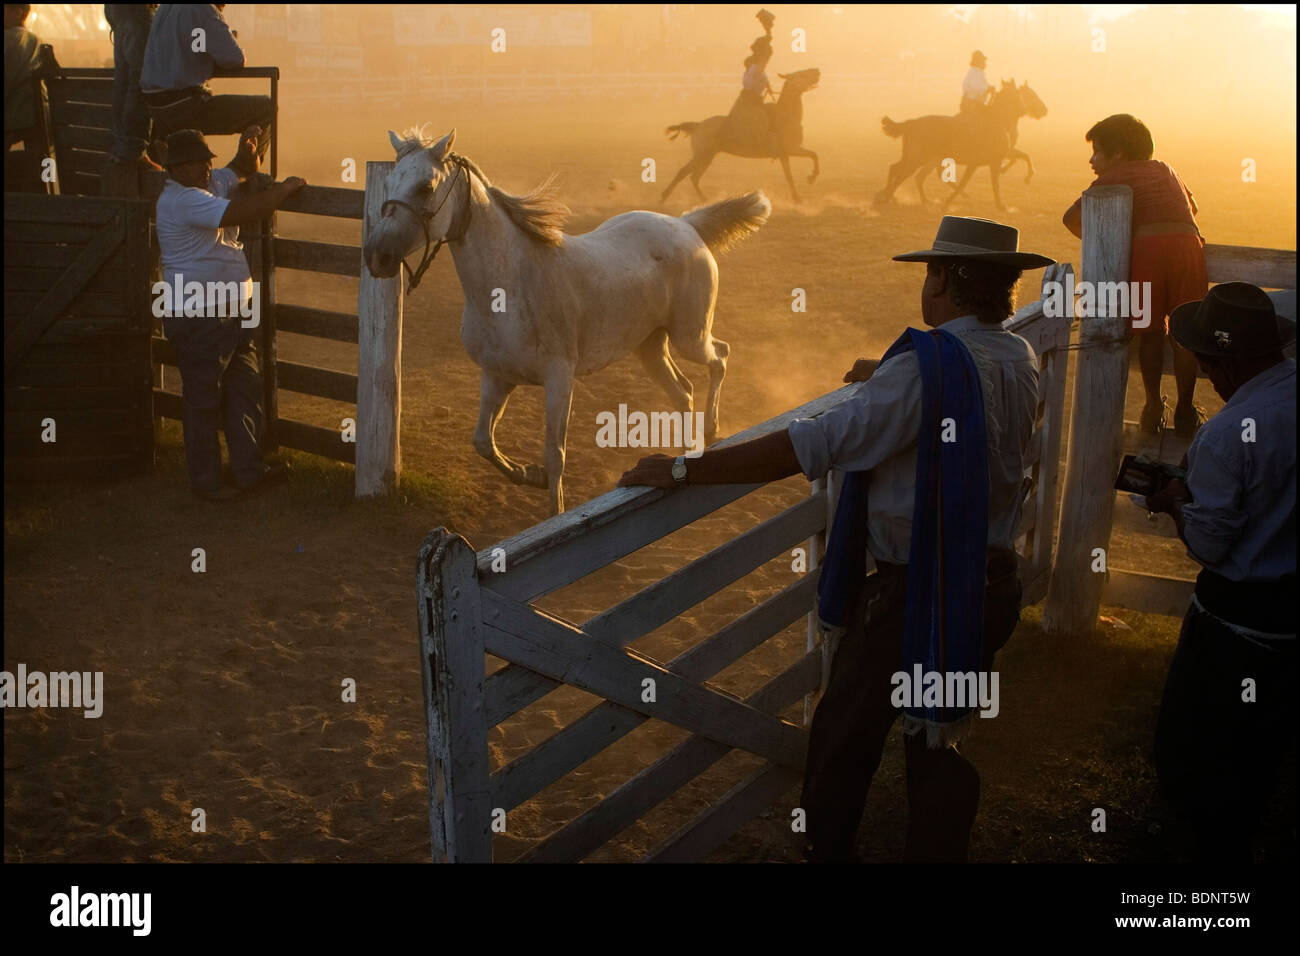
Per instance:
{"type": "Point", "coordinates": [539, 214]}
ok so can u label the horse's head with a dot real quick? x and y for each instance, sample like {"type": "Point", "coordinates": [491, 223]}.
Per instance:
{"type": "Point", "coordinates": [417, 210]}
{"type": "Point", "coordinates": [802, 81]}
{"type": "Point", "coordinates": [1030, 104]}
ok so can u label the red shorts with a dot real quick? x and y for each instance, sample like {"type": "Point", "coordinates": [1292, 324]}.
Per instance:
{"type": "Point", "coordinates": [1174, 264]}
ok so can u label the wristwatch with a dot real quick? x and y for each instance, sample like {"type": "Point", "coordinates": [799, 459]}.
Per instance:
{"type": "Point", "coordinates": [679, 469]}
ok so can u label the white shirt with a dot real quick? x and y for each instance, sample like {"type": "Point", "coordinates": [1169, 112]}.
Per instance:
{"type": "Point", "coordinates": [1241, 522]}
{"type": "Point", "coordinates": [755, 79]}
{"type": "Point", "coordinates": [190, 237]}
{"type": "Point", "coordinates": [975, 85]}
{"type": "Point", "coordinates": [876, 429]}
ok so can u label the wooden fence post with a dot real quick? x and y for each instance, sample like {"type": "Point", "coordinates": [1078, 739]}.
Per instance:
{"type": "Point", "coordinates": [379, 361]}
{"type": "Point", "coordinates": [1096, 419]}
{"type": "Point", "coordinates": [453, 674]}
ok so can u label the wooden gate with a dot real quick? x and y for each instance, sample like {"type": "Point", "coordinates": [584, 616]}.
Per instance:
{"type": "Point", "coordinates": [470, 605]}
{"type": "Point", "coordinates": [77, 324]}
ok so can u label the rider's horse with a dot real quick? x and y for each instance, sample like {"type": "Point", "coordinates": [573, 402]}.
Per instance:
{"type": "Point", "coordinates": [718, 135]}
{"type": "Point", "coordinates": [972, 140]}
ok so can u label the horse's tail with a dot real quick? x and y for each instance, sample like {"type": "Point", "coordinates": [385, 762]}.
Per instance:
{"type": "Point", "coordinates": [723, 224]}
{"type": "Point", "coordinates": [686, 128]}
{"type": "Point", "coordinates": [892, 130]}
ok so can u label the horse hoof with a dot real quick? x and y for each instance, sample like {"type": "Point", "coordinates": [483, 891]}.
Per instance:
{"type": "Point", "coordinates": [535, 476]}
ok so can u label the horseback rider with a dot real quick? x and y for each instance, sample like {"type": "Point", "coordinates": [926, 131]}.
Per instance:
{"type": "Point", "coordinates": [749, 116]}
{"type": "Point", "coordinates": [976, 88]}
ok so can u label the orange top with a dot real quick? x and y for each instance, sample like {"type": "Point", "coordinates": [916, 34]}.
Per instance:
{"type": "Point", "coordinates": [1159, 193]}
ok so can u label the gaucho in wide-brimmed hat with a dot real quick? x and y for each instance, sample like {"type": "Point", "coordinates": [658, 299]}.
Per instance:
{"type": "Point", "coordinates": [933, 448]}
{"type": "Point", "coordinates": [981, 240]}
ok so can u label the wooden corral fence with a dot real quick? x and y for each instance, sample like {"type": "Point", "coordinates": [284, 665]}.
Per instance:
{"type": "Point", "coordinates": [81, 111]}
{"type": "Point", "coordinates": [469, 607]}
{"type": "Point", "coordinates": [81, 122]}
{"type": "Point", "coordinates": [77, 378]}
{"type": "Point", "coordinates": [1098, 431]}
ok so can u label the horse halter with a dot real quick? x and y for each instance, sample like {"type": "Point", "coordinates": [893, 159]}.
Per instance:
{"type": "Point", "coordinates": [426, 217]}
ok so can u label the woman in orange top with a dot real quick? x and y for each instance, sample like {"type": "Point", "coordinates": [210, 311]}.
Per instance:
{"type": "Point", "coordinates": [1168, 252]}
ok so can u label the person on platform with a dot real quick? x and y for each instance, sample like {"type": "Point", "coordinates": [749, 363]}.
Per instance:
{"type": "Point", "coordinates": [174, 77]}
{"type": "Point", "coordinates": [934, 448]}
{"type": "Point", "coordinates": [198, 217]}
{"type": "Point", "coordinates": [129, 24]}
{"type": "Point", "coordinates": [1226, 721]}
{"type": "Point", "coordinates": [1167, 256]}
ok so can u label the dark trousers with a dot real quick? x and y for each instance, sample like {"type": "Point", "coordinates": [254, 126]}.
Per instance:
{"type": "Point", "coordinates": [855, 714]}
{"type": "Point", "coordinates": [1217, 756]}
{"type": "Point", "coordinates": [216, 115]}
{"type": "Point", "coordinates": [130, 24]}
{"type": "Point", "coordinates": [220, 385]}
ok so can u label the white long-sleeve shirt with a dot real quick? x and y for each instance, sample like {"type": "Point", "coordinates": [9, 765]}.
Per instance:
{"type": "Point", "coordinates": [975, 85]}
{"type": "Point", "coordinates": [876, 429]}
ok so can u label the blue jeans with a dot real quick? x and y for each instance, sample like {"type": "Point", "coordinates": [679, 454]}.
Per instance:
{"type": "Point", "coordinates": [130, 23]}
{"type": "Point", "coordinates": [220, 387]}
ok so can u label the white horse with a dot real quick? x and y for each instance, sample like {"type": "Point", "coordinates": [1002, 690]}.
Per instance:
{"type": "Point", "coordinates": [542, 307]}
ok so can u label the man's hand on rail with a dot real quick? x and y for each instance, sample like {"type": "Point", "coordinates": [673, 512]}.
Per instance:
{"type": "Point", "coordinates": [653, 470]}
{"type": "Point", "coordinates": [862, 370]}
{"type": "Point", "coordinates": [756, 461]}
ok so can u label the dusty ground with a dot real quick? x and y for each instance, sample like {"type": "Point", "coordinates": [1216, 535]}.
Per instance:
{"type": "Point", "coordinates": [223, 688]}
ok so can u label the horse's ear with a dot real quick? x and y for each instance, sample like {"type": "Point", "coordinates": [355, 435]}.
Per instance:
{"type": "Point", "coordinates": [395, 140]}
{"type": "Point", "coordinates": [439, 150]}
{"type": "Point", "coordinates": [1013, 82]}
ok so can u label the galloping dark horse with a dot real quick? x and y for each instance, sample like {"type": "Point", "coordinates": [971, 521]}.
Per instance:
{"type": "Point", "coordinates": [971, 140]}
{"type": "Point", "coordinates": [715, 135]}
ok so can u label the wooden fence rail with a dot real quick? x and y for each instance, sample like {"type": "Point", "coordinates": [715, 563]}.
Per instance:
{"type": "Point", "coordinates": [469, 607]}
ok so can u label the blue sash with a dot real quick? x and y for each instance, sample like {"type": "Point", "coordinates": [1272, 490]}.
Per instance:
{"type": "Point", "coordinates": [948, 552]}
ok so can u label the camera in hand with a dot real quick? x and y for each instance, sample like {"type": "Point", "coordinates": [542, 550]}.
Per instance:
{"type": "Point", "coordinates": [1142, 475]}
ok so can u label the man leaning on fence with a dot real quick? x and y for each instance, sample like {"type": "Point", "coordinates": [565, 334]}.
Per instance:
{"type": "Point", "coordinates": [198, 217]}
{"type": "Point", "coordinates": [188, 42]}
{"type": "Point", "coordinates": [1227, 720]}
{"type": "Point", "coordinates": [933, 450]}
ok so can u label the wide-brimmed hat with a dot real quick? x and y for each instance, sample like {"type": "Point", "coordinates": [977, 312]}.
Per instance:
{"type": "Point", "coordinates": [185, 146]}
{"type": "Point", "coordinates": [978, 59]}
{"type": "Point", "coordinates": [982, 240]}
{"type": "Point", "coordinates": [1236, 320]}
{"type": "Point", "coordinates": [766, 18]}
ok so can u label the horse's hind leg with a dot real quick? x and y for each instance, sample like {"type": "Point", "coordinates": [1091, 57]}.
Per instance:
{"type": "Point", "coordinates": [898, 172]}
{"type": "Point", "coordinates": [920, 182]}
{"type": "Point", "coordinates": [965, 178]}
{"type": "Point", "coordinates": [701, 164]}
{"type": "Point", "coordinates": [703, 348]}
{"type": "Point", "coordinates": [654, 355]}
{"type": "Point", "coordinates": [681, 174]}
{"type": "Point", "coordinates": [494, 392]}
{"type": "Point", "coordinates": [559, 402]}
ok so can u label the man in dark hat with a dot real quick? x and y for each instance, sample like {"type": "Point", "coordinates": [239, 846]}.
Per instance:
{"type": "Point", "coordinates": [933, 446]}
{"type": "Point", "coordinates": [975, 88]}
{"type": "Point", "coordinates": [1226, 721]}
{"type": "Point", "coordinates": [766, 18]}
{"type": "Point", "coordinates": [198, 217]}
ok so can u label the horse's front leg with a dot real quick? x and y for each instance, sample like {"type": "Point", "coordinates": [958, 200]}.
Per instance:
{"type": "Point", "coordinates": [785, 167]}
{"type": "Point", "coordinates": [494, 392]}
{"type": "Point", "coordinates": [809, 154]}
{"type": "Point", "coordinates": [559, 402]}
